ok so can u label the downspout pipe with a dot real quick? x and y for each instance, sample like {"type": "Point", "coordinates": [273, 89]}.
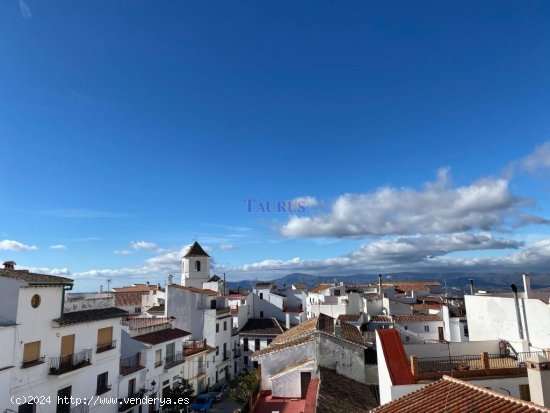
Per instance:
{"type": "Point", "coordinates": [66, 287]}
{"type": "Point", "coordinates": [472, 286]}
{"type": "Point", "coordinates": [518, 316]}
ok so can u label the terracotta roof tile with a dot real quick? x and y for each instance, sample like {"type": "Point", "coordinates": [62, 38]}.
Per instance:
{"type": "Point", "coordinates": [416, 318]}
{"type": "Point", "coordinates": [304, 329]}
{"type": "Point", "coordinates": [284, 346]}
{"type": "Point", "coordinates": [263, 284]}
{"type": "Point", "coordinates": [380, 319]}
{"type": "Point", "coordinates": [161, 336]}
{"type": "Point", "coordinates": [87, 316]}
{"type": "Point", "coordinates": [321, 287]}
{"type": "Point", "coordinates": [325, 323]}
{"type": "Point", "coordinates": [34, 278]}
{"type": "Point", "coordinates": [195, 290]}
{"type": "Point", "coordinates": [196, 251]}
{"type": "Point", "coordinates": [299, 286]}
{"type": "Point", "coordinates": [352, 334]}
{"type": "Point", "coordinates": [349, 317]}
{"type": "Point", "coordinates": [136, 289]}
{"type": "Point", "coordinates": [261, 327]}
{"type": "Point", "coordinates": [128, 299]}
{"type": "Point", "coordinates": [339, 394]}
{"type": "Point", "coordinates": [395, 356]}
{"type": "Point", "coordinates": [451, 395]}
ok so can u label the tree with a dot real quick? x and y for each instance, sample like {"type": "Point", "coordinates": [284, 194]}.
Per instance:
{"type": "Point", "coordinates": [181, 391]}
{"type": "Point", "coordinates": [247, 382]}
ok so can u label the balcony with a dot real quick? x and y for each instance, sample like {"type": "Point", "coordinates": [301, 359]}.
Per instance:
{"type": "Point", "coordinates": [174, 360]}
{"type": "Point", "coordinates": [126, 403]}
{"type": "Point", "coordinates": [158, 363]}
{"type": "Point", "coordinates": [30, 363]}
{"type": "Point", "coordinates": [201, 369]}
{"type": "Point", "coordinates": [65, 364]}
{"type": "Point", "coordinates": [226, 355]}
{"type": "Point", "coordinates": [100, 348]}
{"type": "Point", "coordinates": [223, 310]}
{"type": "Point", "coordinates": [193, 347]}
{"type": "Point", "coordinates": [130, 364]}
{"type": "Point", "coordinates": [103, 389]}
{"type": "Point", "coordinates": [484, 364]}
{"type": "Point", "coordinates": [236, 352]}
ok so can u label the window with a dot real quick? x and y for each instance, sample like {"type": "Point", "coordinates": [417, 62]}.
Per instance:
{"type": "Point", "coordinates": [217, 328]}
{"type": "Point", "coordinates": [245, 361]}
{"type": "Point", "coordinates": [217, 350]}
{"type": "Point", "coordinates": [337, 293]}
{"type": "Point", "coordinates": [197, 265]}
{"type": "Point", "coordinates": [261, 296]}
{"type": "Point", "coordinates": [31, 353]}
{"type": "Point", "coordinates": [64, 400]}
{"type": "Point", "coordinates": [524, 392]}
{"type": "Point", "coordinates": [102, 385]}
{"type": "Point", "coordinates": [104, 339]}
{"type": "Point", "coordinates": [257, 344]}
{"type": "Point", "coordinates": [170, 350]}
{"type": "Point", "coordinates": [131, 387]}
{"type": "Point", "coordinates": [245, 345]}
{"type": "Point", "coordinates": [35, 301]}
{"type": "Point", "coordinates": [465, 331]}
{"type": "Point", "coordinates": [427, 329]}
{"type": "Point", "coordinates": [137, 310]}
{"type": "Point", "coordinates": [224, 325]}
{"type": "Point", "coordinates": [406, 327]}
{"type": "Point", "coordinates": [27, 408]}
{"type": "Point", "coordinates": [261, 314]}
{"type": "Point", "coordinates": [407, 338]}
{"type": "Point", "coordinates": [158, 357]}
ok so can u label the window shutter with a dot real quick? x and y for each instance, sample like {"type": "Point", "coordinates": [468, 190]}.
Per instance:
{"type": "Point", "coordinates": [31, 351]}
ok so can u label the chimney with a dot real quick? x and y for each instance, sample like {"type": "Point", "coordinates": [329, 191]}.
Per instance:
{"type": "Point", "coordinates": [287, 321]}
{"type": "Point", "coordinates": [527, 285]}
{"type": "Point", "coordinates": [147, 282]}
{"type": "Point", "coordinates": [380, 285]}
{"type": "Point", "coordinates": [518, 316]}
{"type": "Point", "coordinates": [538, 373]}
{"type": "Point", "coordinates": [170, 279]}
{"type": "Point", "coordinates": [472, 286]}
{"type": "Point", "coordinates": [9, 265]}
{"type": "Point", "coordinates": [101, 289]}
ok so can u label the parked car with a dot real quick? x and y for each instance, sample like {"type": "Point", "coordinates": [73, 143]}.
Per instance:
{"type": "Point", "coordinates": [202, 403]}
{"type": "Point", "coordinates": [219, 391]}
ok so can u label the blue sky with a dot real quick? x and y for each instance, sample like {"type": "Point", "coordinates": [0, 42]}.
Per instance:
{"type": "Point", "coordinates": [418, 131]}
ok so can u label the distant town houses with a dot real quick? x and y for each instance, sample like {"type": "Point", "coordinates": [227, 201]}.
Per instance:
{"type": "Point", "coordinates": [391, 343]}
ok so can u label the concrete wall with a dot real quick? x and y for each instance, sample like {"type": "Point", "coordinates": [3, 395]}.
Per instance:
{"type": "Point", "coordinates": [416, 331]}
{"type": "Point", "coordinates": [289, 384]}
{"type": "Point", "coordinates": [9, 297]}
{"type": "Point", "coordinates": [342, 356]}
{"type": "Point", "coordinates": [492, 318]}
{"type": "Point", "coordinates": [456, 349]}
{"type": "Point", "coordinates": [394, 307]}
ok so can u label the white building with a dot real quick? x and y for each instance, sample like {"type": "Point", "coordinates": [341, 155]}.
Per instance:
{"type": "Point", "coordinates": [54, 352]}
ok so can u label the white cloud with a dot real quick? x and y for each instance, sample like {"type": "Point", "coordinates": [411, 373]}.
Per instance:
{"type": "Point", "coordinates": [123, 252]}
{"type": "Point", "coordinates": [305, 201]}
{"type": "Point", "coordinates": [58, 247]}
{"type": "Point", "coordinates": [538, 159]}
{"type": "Point", "coordinates": [436, 208]}
{"type": "Point", "coordinates": [11, 245]}
{"type": "Point", "coordinates": [25, 10]}
{"type": "Point", "coordinates": [144, 245]}
{"type": "Point", "coordinates": [228, 247]}
{"type": "Point", "coordinates": [61, 272]}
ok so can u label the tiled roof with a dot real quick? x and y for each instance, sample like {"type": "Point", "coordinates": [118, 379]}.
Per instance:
{"type": "Point", "coordinates": [141, 322]}
{"type": "Point", "coordinates": [304, 329]}
{"type": "Point", "coordinates": [451, 395]}
{"type": "Point", "coordinates": [352, 334]}
{"type": "Point", "coordinates": [321, 287]}
{"type": "Point", "coordinates": [325, 323]}
{"type": "Point", "coordinates": [416, 318]}
{"type": "Point", "coordinates": [34, 278]}
{"type": "Point", "coordinates": [195, 290]}
{"type": "Point", "coordinates": [156, 309]}
{"type": "Point", "coordinates": [128, 299]}
{"type": "Point", "coordinates": [300, 286]}
{"type": "Point", "coordinates": [339, 394]}
{"type": "Point", "coordinates": [136, 289]}
{"type": "Point", "coordinates": [426, 307]}
{"type": "Point", "coordinates": [196, 251]}
{"type": "Point", "coordinates": [284, 346]}
{"type": "Point", "coordinates": [161, 336]}
{"type": "Point", "coordinates": [380, 319]}
{"type": "Point", "coordinates": [263, 284]}
{"type": "Point", "coordinates": [262, 327]}
{"type": "Point", "coordinates": [395, 356]}
{"type": "Point", "coordinates": [349, 317]}
{"type": "Point", "coordinates": [86, 316]}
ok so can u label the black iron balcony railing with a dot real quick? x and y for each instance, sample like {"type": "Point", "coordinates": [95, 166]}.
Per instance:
{"type": "Point", "coordinates": [103, 389]}
{"type": "Point", "coordinates": [226, 355]}
{"type": "Point", "coordinates": [106, 347]}
{"type": "Point", "coordinates": [158, 363]}
{"type": "Point", "coordinates": [174, 360]}
{"type": "Point", "coordinates": [236, 352]}
{"type": "Point", "coordinates": [194, 346]}
{"type": "Point", "coordinates": [126, 403]}
{"type": "Point", "coordinates": [30, 363]}
{"type": "Point", "coordinates": [130, 364]}
{"type": "Point", "coordinates": [70, 362]}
